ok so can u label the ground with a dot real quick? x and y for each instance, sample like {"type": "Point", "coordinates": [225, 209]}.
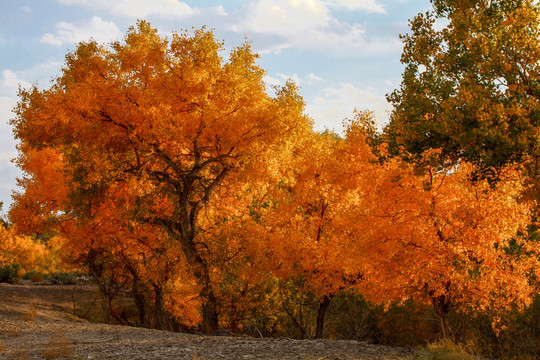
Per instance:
{"type": "Point", "coordinates": [37, 321]}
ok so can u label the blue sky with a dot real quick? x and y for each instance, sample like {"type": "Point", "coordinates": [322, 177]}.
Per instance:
{"type": "Point", "coordinates": [343, 53]}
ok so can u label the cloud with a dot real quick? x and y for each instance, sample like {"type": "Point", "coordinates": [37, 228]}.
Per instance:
{"type": "Point", "coordinates": [8, 175]}
{"type": "Point", "coordinates": [369, 6]}
{"type": "Point", "coordinates": [313, 78]}
{"type": "Point", "coordinates": [282, 17]}
{"type": "Point", "coordinates": [8, 151]}
{"type": "Point", "coordinates": [308, 24]}
{"type": "Point", "coordinates": [27, 9]}
{"type": "Point", "coordinates": [38, 73]}
{"type": "Point", "coordinates": [280, 79]}
{"type": "Point", "coordinates": [138, 9]}
{"type": "Point", "coordinates": [6, 104]}
{"type": "Point", "coordinates": [7, 142]}
{"type": "Point", "coordinates": [333, 104]}
{"type": "Point", "coordinates": [70, 33]}
{"type": "Point", "coordinates": [11, 80]}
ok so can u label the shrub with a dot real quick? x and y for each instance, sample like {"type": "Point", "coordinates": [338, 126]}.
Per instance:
{"type": "Point", "coordinates": [62, 278]}
{"type": "Point", "coordinates": [34, 276]}
{"type": "Point", "coordinates": [9, 273]}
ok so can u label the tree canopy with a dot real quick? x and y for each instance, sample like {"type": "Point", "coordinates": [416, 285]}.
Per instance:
{"type": "Point", "coordinates": [171, 173]}
{"type": "Point", "coordinates": [165, 122]}
{"type": "Point", "coordinates": [470, 85]}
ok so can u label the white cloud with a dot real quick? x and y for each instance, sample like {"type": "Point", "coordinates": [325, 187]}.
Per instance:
{"type": "Point", "coordinates": [6, 104]}
{"type": "Point", "coordinates": [7, 142]}
{"type": "Point", "coordinates": [69, 33]}
{"type": "Point", "coordinates": [369, 6]}
{"type": "Point", "coordinates": [10, 80]}
{"type": "Point", "coordinates": [308, 24]}
{"type": "Point", "coordinates": [283, 17]}
{"type": "Point", "coordinates": [280, 79]}
{"type": "Point", "coordinates": [334, 104]}
{"type": "Point", "coordinates": [138, 9]}
{"type": "Point", "coordinates": [27, 9]}
{"type": "Point", "coordinates": [313, 78]}
{"type": "Point", "coordinates": [8, 151]}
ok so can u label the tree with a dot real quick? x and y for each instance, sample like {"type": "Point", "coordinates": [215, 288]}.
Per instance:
{"type": "Point", "coordinates": [168, 121]}
{"type": "Point", "coordinates": [311, 226]}
{"type": "Point", "coordinates": [442, 239]}
{"type": "Point", "coordinates": [471, 88]}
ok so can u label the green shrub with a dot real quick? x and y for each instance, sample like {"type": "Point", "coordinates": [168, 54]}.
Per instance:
{"type": "Point", "coordinates": [350, 316]}
{"type": "Point", "coordinates": [62, 278]}
{"type": "Point", "coordinates": [9, 273]}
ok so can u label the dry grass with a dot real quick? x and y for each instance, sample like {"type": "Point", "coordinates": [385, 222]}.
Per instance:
{"type": "Point", "coordinates": [445, 350]}
{"type": "Point", "coordinates": [59, 346]}
{"type": "Point", "coordinates": [30, 316]}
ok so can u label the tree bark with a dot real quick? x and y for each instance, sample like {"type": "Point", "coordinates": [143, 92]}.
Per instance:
{"type": "Point", "coordinates": [321, 313]}
{"type": "Point", "coordinates": [159, 308]}
{"type": "Point", "coordinates": [442, 308]}
{"type": "Point", "coordinates": [140, 301]}
{"type": "Point", "coordinates": [209, 305]}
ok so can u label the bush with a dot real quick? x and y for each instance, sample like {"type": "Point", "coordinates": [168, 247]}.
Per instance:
{"type": "Point", "coordinates": [350, 317]}
{"type": "Point", "coordinates": [34, 276]}
{"type": "Point", "coordinates": [9, 273]}
{"type": "Point", "coordinates": [62, 278]}
{"type": "Point", "coordinates": [408, 324]}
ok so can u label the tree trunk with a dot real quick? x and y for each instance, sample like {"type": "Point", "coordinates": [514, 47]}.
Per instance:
{"type": "Point", "coordinates": [442, 308]}
{"type": "Point", "coordinates": [159, 308]}
{"type": "Point", "coordinates": [139, 298]}
{"type": "Point", "coordinates": [323, 306]}
{"type": "Point", "coordinates": [184, 230]}
{"type": "Point", "coordinates": [209, 309]}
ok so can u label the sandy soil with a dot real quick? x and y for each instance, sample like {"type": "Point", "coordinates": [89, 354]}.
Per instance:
{"type": "Point", "coordinates": [36, 322]}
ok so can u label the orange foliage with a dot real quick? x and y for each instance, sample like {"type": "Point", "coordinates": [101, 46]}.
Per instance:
{"type": "Point", "coordinates": [441, 238]}
{"type": "Point", "coordinates": [175, 175]}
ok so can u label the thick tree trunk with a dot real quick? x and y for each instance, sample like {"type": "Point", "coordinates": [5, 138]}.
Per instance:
{"type": "Point", "coordinates": [442, 308]}
{"type": "Point", "coordinates": [323, 307]}
{"type": "Point", "coordinates": [210, 316]}
{"type": "Point", "coordinates": [209, 305]}
{"type": "Point", "coordinates": [184, 229]}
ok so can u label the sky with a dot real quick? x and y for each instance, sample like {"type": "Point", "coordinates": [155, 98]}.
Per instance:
{"type": "Point", "coordinates": [344, 54]}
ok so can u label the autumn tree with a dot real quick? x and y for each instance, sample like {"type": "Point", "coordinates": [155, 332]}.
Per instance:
{"type": "Point", "coordinates": [168, 120]}
{"type": "Point", "coordinates": [311, 226]}
{"type": "Point", "coordinates": [470, 85]}
{"type": "Point", "coordinates": [437, 237]}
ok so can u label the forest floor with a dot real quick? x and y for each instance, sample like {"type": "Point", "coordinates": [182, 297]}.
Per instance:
{"type": "Point", "coordinates": [37, 321]}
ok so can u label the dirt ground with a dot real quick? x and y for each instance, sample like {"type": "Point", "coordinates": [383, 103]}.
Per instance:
{"type": "Point", "coordinates": [37, 321]}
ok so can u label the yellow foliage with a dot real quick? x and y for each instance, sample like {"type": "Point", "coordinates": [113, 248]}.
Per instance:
{"type": "Point", "coordinates": [29, 253]}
